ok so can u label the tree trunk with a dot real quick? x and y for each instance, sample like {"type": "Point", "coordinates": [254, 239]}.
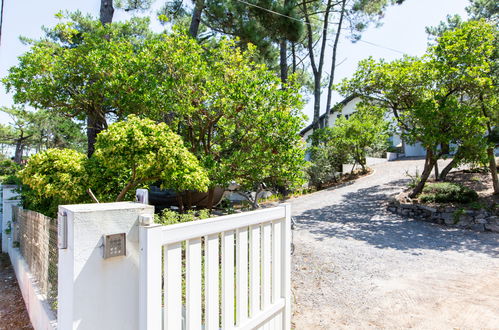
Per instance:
{"type": "Point", "coordinates": [126, 189]}
{"type": "Point", "coordinates": [106, 11]}
{"type": "Point", "coordinates": [283, 60]}
{"type": "Point", "coordinates": [255, 204]}
{"type": "Point", "coordinates": [448, 168]}
{"type": "Point", "coordinates": [436, 171]}
{"type": "Point", "coordinates": [363, 165]}
{"type": "Point", "coordinates": [1, 21]}
{"type": "Point", "coordinates": [18, 156]}
{"type": "Point", "coordinates": [196, 18]}
{"type": "Point", "coordinates": [317, 66]}
{"type": "Point", "coordinates": [333, 65]}
{"type": "Point", "coordinates": [493, 169]}
{"type": "Point", "coordinates": [428, 166]}
{"type": "Point", "coordinates": [94, 127]}
{"type": "Point", "coordinates": [317, 105]}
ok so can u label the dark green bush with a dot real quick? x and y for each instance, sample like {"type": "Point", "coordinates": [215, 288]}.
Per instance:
{"type": "Point", "coordinates": [8, 167]}
{"type": "Point", "coordinates": [447, 192]}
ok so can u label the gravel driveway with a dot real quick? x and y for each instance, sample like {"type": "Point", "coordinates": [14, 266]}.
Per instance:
{"type": "Point", "coordinates": [358, 266]}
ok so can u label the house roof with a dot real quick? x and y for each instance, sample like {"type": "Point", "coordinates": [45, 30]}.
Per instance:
{"type": "Point", "coordinates": [321, 118]}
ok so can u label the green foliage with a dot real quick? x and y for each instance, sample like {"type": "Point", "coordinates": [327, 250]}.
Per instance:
{"type": "Point", "coordinates": [8, 228]}
{"type": "Point", "coordinates": [11, 179]}
{"type": "Point", "coordinates": [130, 153]}
{"type": "Point", "coordinates": [231, 112]}
{"type": "Point", "coordinates": [414, 179]}
{"type": "Point", "coordinates": [350, 139]}
{"type": "Point", "coordinates": [168, 217]}
{"type": "Point", "coordinates": [82, 69]}
{"type": "Point", "coordinates": [447, 96]}
{"type": "Point", "coordinates": [8, 167]}
{"type": "Point", "coordinates": [41, 130]}
{"type": "Point", "coordinates": [487, 9]}
{"type": "Point", "coordinates": [250, 25]}
{"type": "Point", "coordinates": [364, 131]}
{"type": "Point", "coordinates": [54, 177]}
{"type": "Point", "coordinates": [327, 157]}
{"type": "Point", "coordinates": [447, 192]}
{"type": "Point", "coordinates": [457, 215]}
{"type": "Point", "coordinates": [149, 152]}
{"type": "Point", "coordinates": [79, 60]}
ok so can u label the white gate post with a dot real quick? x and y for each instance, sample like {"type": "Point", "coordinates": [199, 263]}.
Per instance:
{"type": "Point", "coordinates": [10, 198]}
{"type": "Point", "coordinates": [150, 310]}
{"type": "Point", "coordinates": [96, 293]}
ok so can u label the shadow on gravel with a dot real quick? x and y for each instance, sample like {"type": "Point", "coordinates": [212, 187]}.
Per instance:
{"type": "Point", "coordinates": [362, 215]}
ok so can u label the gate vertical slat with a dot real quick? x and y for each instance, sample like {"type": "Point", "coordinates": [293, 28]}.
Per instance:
{"type": "Point", "coordinates": [266, 261]}
{"type": "Point", "coordinates": [173, 286]}
{"type": "Point", "coordinates": [211, 282]}
{"type": "Point", "coordinates": [228, 280]}
{"type": "Point", "coordinates": [255, 269]}
{"type": "Point", "coordinates": [193, 284]}
{"type": "Point", "coordinates": [276, 261]}
{"type": "Point", "coordinates": [242, 275]}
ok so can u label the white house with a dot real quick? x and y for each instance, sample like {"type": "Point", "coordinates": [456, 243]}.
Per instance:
{"type": "Point", "coordinates": [348, 107]}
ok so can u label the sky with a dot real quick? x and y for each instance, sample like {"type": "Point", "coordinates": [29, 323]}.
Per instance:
{"type": "Point", "coordinates": [402, 32]}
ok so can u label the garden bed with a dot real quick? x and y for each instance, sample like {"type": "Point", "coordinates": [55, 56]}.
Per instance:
{"type": "Point", "coordinates": [481, 214]}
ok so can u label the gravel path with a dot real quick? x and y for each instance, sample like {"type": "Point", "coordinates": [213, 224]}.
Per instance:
{"type": "Point", "coordinates": [358, 266]}
{"type": "Point", "coordinates": [13, 314]}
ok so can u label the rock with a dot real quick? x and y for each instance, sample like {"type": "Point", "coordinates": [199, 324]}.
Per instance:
{"type": "Point", "coordinates": [464, 223]}
{"type": "Point", "coordinates": [392, 209]}
{"type": "Point", "coordinates": [449, 221]}
{"type": "Point", "coordinates": [493, 219]}
{"type": "Point", "coordinates": [478, 227]}
{"type": "Point", "coordinates": [492, 227]}
{"type": "Point", "coordinates": [428, 208]}
{"type": "Point", "coordinates": [481, 220]}
{"type": "Point", "coordinates": [449, 218]}
{"type": "Point", "coordinates": [480, 216]}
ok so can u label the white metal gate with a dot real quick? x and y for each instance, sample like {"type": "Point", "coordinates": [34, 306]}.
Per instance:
{"type": "Point", "coordinates": [229, 272]}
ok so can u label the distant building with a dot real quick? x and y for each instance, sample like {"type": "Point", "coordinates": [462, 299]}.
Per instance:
{"type": "Point", "coordinates": [348, 107]}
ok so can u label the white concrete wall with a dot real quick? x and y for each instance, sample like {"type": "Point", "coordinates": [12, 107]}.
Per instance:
{"type": "Point", "coordinates": [96, 293]}
{"type": "Point", "coordinates": [40, 314]}
{"type": "Point", "coordinates": [347, 110]}
{"type": "Point", "coordinates": [414, 150]}
{"type": "Point", "coordinates": [10, 198]}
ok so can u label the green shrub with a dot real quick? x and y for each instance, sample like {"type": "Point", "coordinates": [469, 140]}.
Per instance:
{"type": "Point", "coordinates": [168, 217]}
{"type": "Point", "coordinates": [12, 179]}
{"type": "Point", "coordinates": [447, 192]}
{"type": "Point", "coordinates": [8, 167]}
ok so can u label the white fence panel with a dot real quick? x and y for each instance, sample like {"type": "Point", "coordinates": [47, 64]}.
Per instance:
{"type": "Point", "coordinates": [230, 272]}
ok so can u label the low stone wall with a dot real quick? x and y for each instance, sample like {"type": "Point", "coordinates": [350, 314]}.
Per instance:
{"type": "Point", "coordinates": [480, 220]}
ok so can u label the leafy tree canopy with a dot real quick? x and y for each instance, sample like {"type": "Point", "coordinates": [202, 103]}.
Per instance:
{"type": "Point", "coordinates": [432, 97]}
{"type": "Point", "coordinates": [231, 112]}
